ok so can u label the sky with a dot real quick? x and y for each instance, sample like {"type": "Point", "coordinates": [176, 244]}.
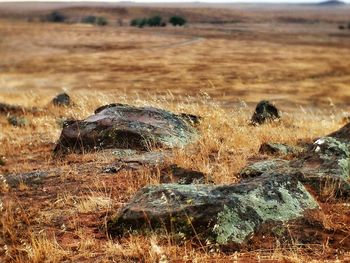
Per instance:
{"type": "Point", "coordinates": [178, 1]}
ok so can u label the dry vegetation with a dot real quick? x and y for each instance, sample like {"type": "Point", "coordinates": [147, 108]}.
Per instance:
{"type": "Point", "coordinates": [211, 71]}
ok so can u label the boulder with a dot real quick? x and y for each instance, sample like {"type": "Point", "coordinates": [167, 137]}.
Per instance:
{"type": "Point", "coordinates": [62, 99]}
{"type": "Point", "coordinates": [264, 112]}
{"type": "Point", "coordinates": [230, 214]}
{"type": "Point", "coordinates": [325, 165]}
{"type": "Point", "coordinates": [126, 127]}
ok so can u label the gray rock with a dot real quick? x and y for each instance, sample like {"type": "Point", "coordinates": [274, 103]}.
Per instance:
{"type": "Point", "coordinates": [279, 148]}
{"type": "Point", "coordinates": [258, 168]}
{"type": "Point", "coordinates": [229, 214]}
{"type": "Point", "coordinates": [128, 127]}
{"type": "Point", "coordinates": [62, 99]}
{"type": "Point", "coordinates": [264, 112]}
{"type": "Point", "coordinates": [325, 164]}
{"type": "Point", "coordinates": [31, 179]}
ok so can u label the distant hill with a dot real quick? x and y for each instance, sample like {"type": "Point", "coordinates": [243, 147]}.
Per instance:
{"type": "Point", "coordinates": [332, 3]}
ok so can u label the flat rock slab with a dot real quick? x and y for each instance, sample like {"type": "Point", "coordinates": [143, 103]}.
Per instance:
{"type": "Point", "coordinates": [30, 179]}
{"type": "Point", "coordinates": [228, 214]}
{"type": "Point", "coordinates": [128, 127]}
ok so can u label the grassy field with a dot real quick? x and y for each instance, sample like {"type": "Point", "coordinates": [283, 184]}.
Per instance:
{"type": "Point", "coordinates": [217, 71]}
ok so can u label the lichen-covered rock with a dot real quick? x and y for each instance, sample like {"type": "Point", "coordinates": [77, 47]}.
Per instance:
{"type": "Point", "coordinates": [229, 214]}
{"type": "Point", "coordinates": [278, 148]}
{"type": "Point", "coordinates": [124, 126]}
{"type": "Point", "coordinates": [265, 111]}
{"type": "Point", "coordinates": [326, 164]}
{"type": "Point", "coordinates": [258, 168]}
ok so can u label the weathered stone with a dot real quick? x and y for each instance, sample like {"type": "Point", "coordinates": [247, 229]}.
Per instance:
{"type": "Point", "coordinates": [229, 214]}
{"type": "Point", "coordinates": [258, 168]}
{"type": "Point", "coordinates": [32, 178]}
{"type": "Point", "coordinates": [325, 164]}
{"type": "Point", "coordinates": [279, 148]}
{"type": "Point", "coordinates": [123, 126]}
{"type": "Point", "coordinates": [264, 112]}
{"type": "Point", "coordinates": [62, 99]}
{"type": "Point", "coordinates": [176, 174]}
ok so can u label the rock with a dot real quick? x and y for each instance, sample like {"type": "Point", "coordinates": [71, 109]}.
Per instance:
{"type": "Point", "coordinates": [176, 174]}
{"type": "Point", "coordinates": [258, 168]}
{"type": "Point", "coordinates": [264, 112]}
{"type": "Point", "coordinates": [278, 148]}
{"type": "Point", "coordinates": [17, 121]}
{"type": "Point", "coordinates": [126, 127]}
{"type": "Point", "coordinates": [32, 178]}
{"type": "Point", "coordinates": [226, 213]}
{"type": "Point", "coordinates": [326, 164]}
{"type": "Point", "coordinates": [132, 160]}
{"type": "Point", "coordinates": [62, 99]}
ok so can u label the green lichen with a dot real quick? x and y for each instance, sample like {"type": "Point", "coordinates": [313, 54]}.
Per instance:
{"type": "Point", "coordinates": [335, 156]}
{"type": "Point", "coordinates": [236, 224]}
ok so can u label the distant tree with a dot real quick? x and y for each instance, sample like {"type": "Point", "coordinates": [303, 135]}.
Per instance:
{"type": "Point", "coordinates": [56, 17]}
{"type": "Point", "coordinates": [89, 19]}
{"type": "Point", "coordinates": [177, 21]}
{"type": "Point", "coordinates": [135, 22]}
{"type": "Point", "coordinates": [142, 22]}
{"type": "Point", "coordinates": [154, 21]}
{"type": "Point", "coordinates": [101, 21]}
{"type": "Point", "coordinates": [341, 27]}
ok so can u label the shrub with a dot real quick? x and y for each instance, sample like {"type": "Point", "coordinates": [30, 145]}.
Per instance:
{"type": "Point", "coordinates": [177, 20]}
{"type": "Point", "coordinates": [101, 21]}
{"type": "Point", "coordinates": [341, 27]}
{"type": "Point", "coordinates": [56, 17]}
{"type": "Point", "coordinates": [89, 19]}
{"type": "Point", "coordinates": [154, 21]}
{"type": "Point", "coordinates": [135, 22]}
{"type": "Point", "coordinates": [142, 22]}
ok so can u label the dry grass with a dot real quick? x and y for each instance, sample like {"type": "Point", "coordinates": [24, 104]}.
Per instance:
{"type": "Point", "coordinates": [219, 77]}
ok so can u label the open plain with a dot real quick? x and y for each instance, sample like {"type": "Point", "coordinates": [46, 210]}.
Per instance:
{"type": "Point", "coordinates": [218, 66]}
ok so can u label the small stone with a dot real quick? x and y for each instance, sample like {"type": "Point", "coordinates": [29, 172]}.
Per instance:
{"type": "Point", "coordinates": [62, 99]}
{"type": "Point", "coordinates": [264, 112]}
